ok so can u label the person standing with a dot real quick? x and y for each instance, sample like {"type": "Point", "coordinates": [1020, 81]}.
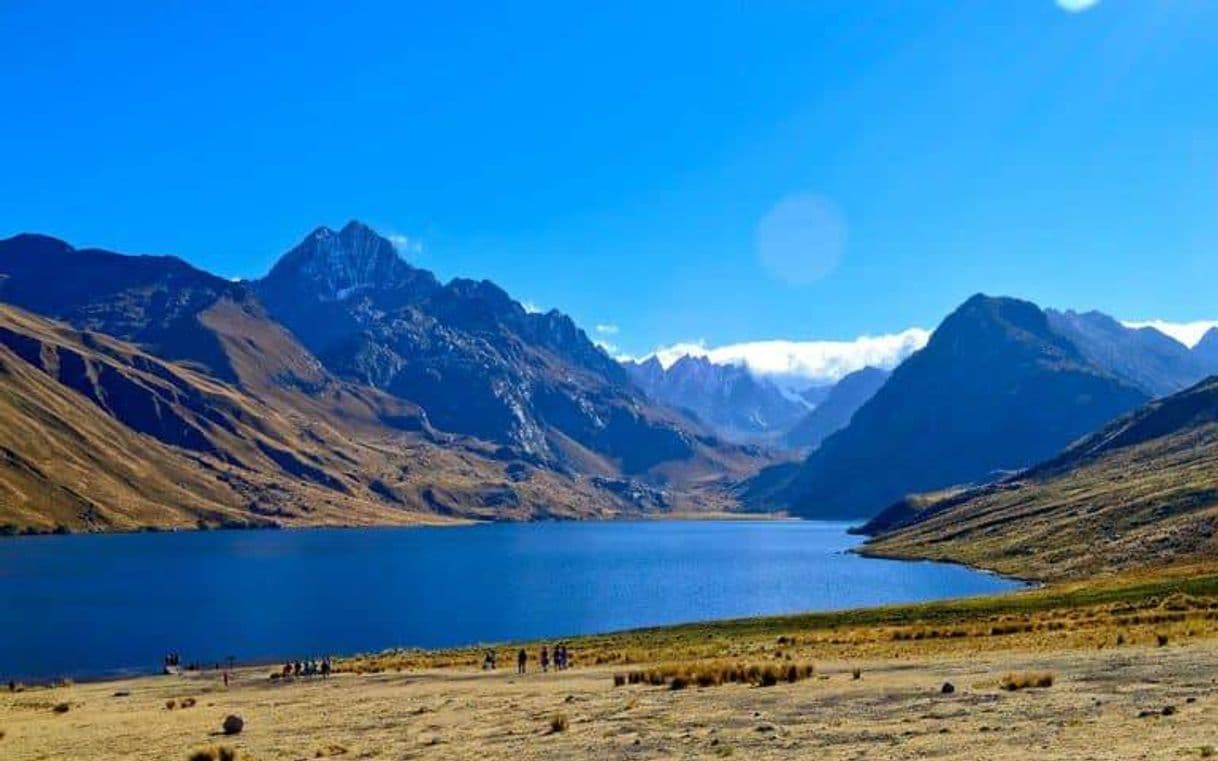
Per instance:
{"type": "Point", "coordinates": [522, 658]}
{"type": "Point", "coordinates": [545, 659]}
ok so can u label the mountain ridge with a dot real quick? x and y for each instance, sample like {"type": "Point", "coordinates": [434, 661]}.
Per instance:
{"type": "Point", "coordinates": [994, 389]}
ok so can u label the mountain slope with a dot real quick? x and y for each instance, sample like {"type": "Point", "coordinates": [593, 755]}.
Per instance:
{"type": "Point", "coordinates": [153, 301]}
{"type": "Point", "coordinates": [99, 435]}
{"type": "Point", "coordinates": [477, 361]}
{"type": "Point", "coordinates": [994, 389]}
{"type": "Point", "coordinates": [834, 413]}
{"type": "Point", "coordinates": [1206, 350]}
{"type": "Point", "coordinates": [728, 398]}
{"type": "Point", "coordinates": [1141, 491]}
{"type": "Point", "coordinates": [1148, 359]}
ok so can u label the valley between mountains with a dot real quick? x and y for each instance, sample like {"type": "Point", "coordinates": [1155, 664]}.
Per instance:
{"type": "Point", "coordinates": [350, 387]}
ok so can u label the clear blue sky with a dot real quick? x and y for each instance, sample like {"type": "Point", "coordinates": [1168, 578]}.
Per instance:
{"type": "Point", "coordinates": [617, 162]}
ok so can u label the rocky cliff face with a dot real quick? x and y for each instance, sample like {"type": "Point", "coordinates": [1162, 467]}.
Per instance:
{"type": "Point", "coordinates": [468, 354]}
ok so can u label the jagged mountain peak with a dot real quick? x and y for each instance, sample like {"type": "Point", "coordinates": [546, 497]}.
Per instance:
{"type": "Point", "coordinates": [336, 264]}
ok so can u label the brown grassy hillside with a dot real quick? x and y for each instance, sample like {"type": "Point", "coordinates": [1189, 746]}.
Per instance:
{"type": "Point", "coordinates": [1142, 491]}
{"type": "Point", "coordinates": [96, 434]}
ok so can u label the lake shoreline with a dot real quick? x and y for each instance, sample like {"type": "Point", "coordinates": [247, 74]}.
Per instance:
{"type": "Point", "coordinates": [428, 521]}
{"type": "Point", "coordinates": [307, 593]}
{"type": "Point", "coordinates": [1126, 662]}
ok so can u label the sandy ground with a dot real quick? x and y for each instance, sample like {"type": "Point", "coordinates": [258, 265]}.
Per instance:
{"type": "Point", "coordinates": [1105, 704]}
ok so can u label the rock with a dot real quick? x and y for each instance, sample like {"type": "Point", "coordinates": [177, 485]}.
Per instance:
{"type": "Point", "coordinates": [233, 724]}
{"type": "Point", "coordinates": [1169, 710]}
{"type": "Point", "coordinates": [948, 688]}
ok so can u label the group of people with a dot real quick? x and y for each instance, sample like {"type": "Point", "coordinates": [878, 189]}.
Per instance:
{"type": "Point", "coordinates": [559, 655]}
{"type": "Point", "coordinates": [307, 668]}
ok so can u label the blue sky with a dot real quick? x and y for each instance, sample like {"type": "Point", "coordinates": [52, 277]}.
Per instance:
{"type": "Point", "coordinates": [708, 171]}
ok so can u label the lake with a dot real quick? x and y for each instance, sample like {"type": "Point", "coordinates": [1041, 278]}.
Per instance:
{"type": "Point", "coordinates": [100, 605]}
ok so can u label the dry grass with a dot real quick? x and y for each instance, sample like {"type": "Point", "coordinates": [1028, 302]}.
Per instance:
{"type": "Point", "coordinates": [713, 673]}
{"type": "Point", "coordinates": [214, 753]}
{"type": "Point", "coordinates": [1012, 681]}
{"type": "Point", "coordinates": [559, 723]}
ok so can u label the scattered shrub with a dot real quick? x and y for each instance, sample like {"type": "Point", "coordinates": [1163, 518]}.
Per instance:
{"type": "Point", "coordinates": [62, 708]}
{"type": "Point", "coordinates": [1161, 639]}
{"type": "Point", "coordinates": [171, 704]}
{"type": "Point", "coordinates": [769, 676]}
{"type": "Point", "coordinates": [856, 673]}
{"type": "Point", "coordinates": [188, 702]}
{"type": "Point", "coordinates": [1012, 681]}
{"type": "Point", "coordinates": [558, 723]}
{"type": "Point", "coordinates": [679, 682]}
{"type": "Point", "coordinates": [619, 680]}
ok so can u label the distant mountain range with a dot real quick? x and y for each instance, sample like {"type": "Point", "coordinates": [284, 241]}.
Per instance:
{"type": "Point", "coordinates": [729, 398]}
{"type": "Point", "coordinates": [1000, 386]}
{"type": "Point", "coordinates": [1145, 357]}
{"type": "Point", "coordinates": [346, 386]}
{"type": "Point", "coordinates": [835, 410]}
{"type": "Point", "coordinates": [1142, 490]}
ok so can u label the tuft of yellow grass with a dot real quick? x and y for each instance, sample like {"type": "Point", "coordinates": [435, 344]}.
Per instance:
{"type": "Point", "coordinates": [559, 723]}
{"type": "Point", "coordinates": [1012, 680]}
{"type": "Point", "coordinates": [214, 753]}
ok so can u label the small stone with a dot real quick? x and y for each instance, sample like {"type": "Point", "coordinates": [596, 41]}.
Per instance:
{"type": "Point", "coordinates": [233, 724]}
{"type": "Point", "coordinates": [948, 688]}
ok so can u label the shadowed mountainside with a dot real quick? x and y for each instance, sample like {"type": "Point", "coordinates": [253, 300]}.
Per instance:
{"type": "Point", "coordinates": [995, 389]}
{"type": "Point", "coordinates": [1146, 358]}
{"type": "Point", "coordinates": [840, 404]}
{"type": "Point", "coordinates": [1141, 491]}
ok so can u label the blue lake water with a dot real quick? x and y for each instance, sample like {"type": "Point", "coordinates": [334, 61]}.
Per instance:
{"type": "Point", "coordinates": [94, 605]}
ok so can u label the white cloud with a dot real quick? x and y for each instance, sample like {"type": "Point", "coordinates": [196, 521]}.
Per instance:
{"type": "Point", "coordinates": [607, 329]}
{"type": "Point", "coordinates": [804, 362]}
{"type": "Point", "coordinates": [1077, 6]}
{"type": "Point", "coordinates": [405, 245]}
{"type": "Point", "coordinates": [1187, 333]}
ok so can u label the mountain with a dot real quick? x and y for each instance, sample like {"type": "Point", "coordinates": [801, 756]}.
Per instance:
{"type": "Point", "coordinates": [994, 389]}
{"type": "Point", "coordinates": [731, 400]}
{"type": "Point", "coordinates": [99, 435]}
{"type": "Point", "coordinates": [154, 301]}
{"type": "Point", "coordinates": [477, 361]}
{"type": "Point", "coordinates": [1141, 491]}
{"type": "Point", "coordinates": [1148, 359]}
{"type": "Point", "coordinates": [1206, 350]}
{"type": "Point", "coordinates": [838, 406]}
{"type": "Point", "coordinates": [190, 379]}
